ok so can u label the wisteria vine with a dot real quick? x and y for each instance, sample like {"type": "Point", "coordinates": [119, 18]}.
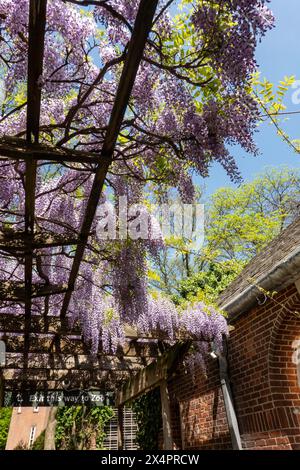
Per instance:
{"type": "Point", "coordinates": [190, 102]}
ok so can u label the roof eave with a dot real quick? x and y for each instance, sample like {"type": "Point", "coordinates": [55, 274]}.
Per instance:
{"type": "Point", "coordinates": [281, 276]}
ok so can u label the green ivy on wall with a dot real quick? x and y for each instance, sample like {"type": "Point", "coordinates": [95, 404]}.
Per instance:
{"type": "Point", "coordinates": [147, 409]}
{"type": "Point", "coordinates": [81, 428]}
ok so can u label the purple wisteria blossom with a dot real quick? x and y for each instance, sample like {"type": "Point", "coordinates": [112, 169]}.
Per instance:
{"type": "Point", "coordinates": [191, 101]}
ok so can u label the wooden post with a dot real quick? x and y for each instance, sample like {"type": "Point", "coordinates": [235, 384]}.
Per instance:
{"type": "Point", "coordinates": [49, 443]}
{"type": "Point", "coordinates": [1, 390]}
{"type": "Point", "coordinates": [166, 415]}
{"type": "Point", "coordinates": [149, 378]}
{"type": "Point", "coordinates": [121, 427]}
{"type": "Point", "coordinates": [2, 364]}
{"type": "Point", "coordinates": [182, 425]}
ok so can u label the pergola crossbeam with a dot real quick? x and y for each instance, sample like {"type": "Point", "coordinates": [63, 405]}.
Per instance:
{"type": "Point", "coordinates": [19, 243]}
{"type": "Point", "coordinates": [151, 376]}
{"type": "Point", "coordinates": [12, 148]}
{"type": "Point", "coordinates": [87, 383]}
{"type": "Point", "coordinates": [56, 361]}
{"type": "Point", "coordinates": [16, 291]}
{"type": "Point", "coordinates": [53, 324]}
{"type": "Point", "coordinates": [60, 375]}
{"type": "Point", "coordinates": [52, 343]}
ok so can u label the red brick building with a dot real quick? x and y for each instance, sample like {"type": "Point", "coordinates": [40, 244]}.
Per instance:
{"type": "Point", "coordinates": [26, 424]}
{"type": "Point", "coordinates": [263, 306]}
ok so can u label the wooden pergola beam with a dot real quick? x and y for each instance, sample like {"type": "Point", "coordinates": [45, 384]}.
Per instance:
{"type": "Point", "coordinates": [55, 361]}
{"type": "Point", "coordinates": [151, 376]}
{"type": "Point", "coordinates": [166, 415]}
{"type": "Point", "coordinates": [104, 383]}
{"type": "Point", "coordinates": [135, 52]}
{"type": "Point", "coordinates": [39, 324]}
{"type": "Point", "coordinates": [17, 292]}
{"type": "Point", "coordinates": [156, 375]}
{"type": "Point", "coordinates": [40, 343]}
{"type": "Point", "coordinates": [61, 376]}
{"type": "Point", "coordinates": [36, 40]}
{"type": "Point", "coordinates": [120, 429]}
{"type": "Point", "coordinates": [52, 324]}
{"type": "Point", "coordinates": [58, 344]}
{"type": "Point", "coordinates": [18, 243]}
{"type": "Point", "coordinates": [18, 149]}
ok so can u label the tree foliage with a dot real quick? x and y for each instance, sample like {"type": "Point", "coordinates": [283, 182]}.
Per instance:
{"type": "Point", "coordinates": [81, 428]}
{"type": "Point", "coordinates": [5, 416]}
{"type": "Point", "coordinates": [241, 221]}
{"type": "Point", "coordinates": [206, 285]}
{"type": "Point", "coordinates": [39, 442]}
{"type": "Point", "coordinates": [272, 100]}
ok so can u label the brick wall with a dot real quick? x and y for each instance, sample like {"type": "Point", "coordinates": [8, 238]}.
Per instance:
{"type": "Point", "coordinates": [200, 420]}
{"type": "Point", "coordinates": [264, 384]}
{"type": "Point", "coordinates": [21, 422]}
{"type": "Point", "coordinates": [264, 377]}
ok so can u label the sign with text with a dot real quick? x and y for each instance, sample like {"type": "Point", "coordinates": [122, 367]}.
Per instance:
{"type": "Point", "coordinates": [59, 398]}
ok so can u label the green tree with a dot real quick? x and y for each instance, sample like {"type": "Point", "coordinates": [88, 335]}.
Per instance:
{"type": "Point", "coordinates": [39, 442]}
{"type": "Point", "coordinates": [5, 415]}
{"type": "Point", "coordinates": [80, 427]}
{"type": "Point", "coordinates": [271, 100]}
{"type": "Point", "coordinates": [206, 285]}
{"type": "Point", "coordinates": [241, 221]}
{"type": "Point", "coordinates": [177, 260]}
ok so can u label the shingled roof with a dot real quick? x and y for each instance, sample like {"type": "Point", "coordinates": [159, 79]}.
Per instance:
{"type": "Point", "coordinates": [274, 268]}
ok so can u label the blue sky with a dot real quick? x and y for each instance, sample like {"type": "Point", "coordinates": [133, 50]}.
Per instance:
{"type": "Point", "coordinates": [278, 55]}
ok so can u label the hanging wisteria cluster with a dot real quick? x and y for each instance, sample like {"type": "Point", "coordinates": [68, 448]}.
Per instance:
{"type": "Point", "coordinates": [234, 42]}
{"type": "Point", "coordinates": [190, 102]}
